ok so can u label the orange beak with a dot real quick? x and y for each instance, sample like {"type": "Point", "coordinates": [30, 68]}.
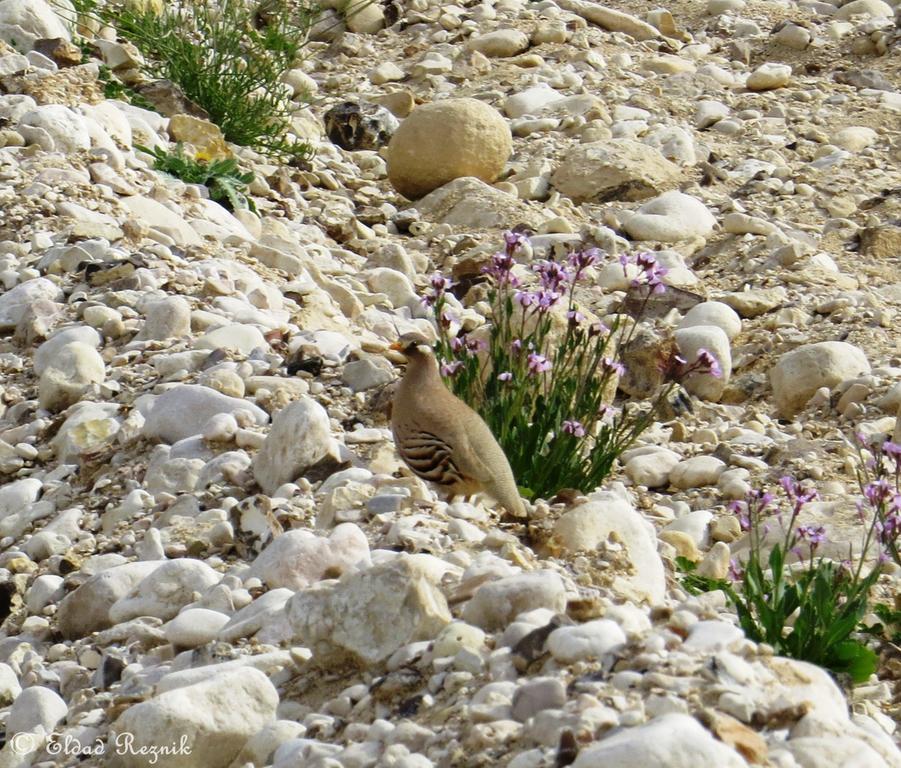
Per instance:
{"type": "Point", "coordinates": [396, 346]}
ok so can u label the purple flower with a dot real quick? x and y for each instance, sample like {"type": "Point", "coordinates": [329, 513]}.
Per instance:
{"type": "Point", "coordinates": [504, 376]}
{"type": "Point", "coordinates": [708, 363]}
{"type": "Point", "coordinates": [624, 262]}
{"type": "Point", "coordinates": [645, 261]}
{"type": "Point", "coordinates": [889, 528]}
{"type": "Point", "coordinates": [448, 319]}
{"type": "Point", "coordinates": [575, 317]}
{"type": "Point", "coordinates": [893, 451]}
{"type": "Point", "coordinates": [474, 346]}
{"type": "Point", "coordinates": [895, 503]}
{"type": "Point", "coordinates": [551, 273]}
{"type": "Point", "coordinates": [525, 298]}
{"type": "Point", "coordinates": [501, 269]}
{"type": "Point", "coordinates": [877, 492]}
{"type": "Point", "coordinates": [741, 509]}
{"type": "Point", "coordinates": [581, 260]}
{"type": "Point", "coordinates": [812, 534]}
{"type": "Point", "coordinates": [573, 428]}
{"type": "Point", "coordinates": [546, 299]}
{"type": "Point", "coordinates": [457, 344]}
{"type": "Point", "coordinates": [613, 366]}
{"type": "Point", "coordinates": [439, 282]}
{"type": "Point", "coordinates": [796, 493]}
{"type": "Point", "coordinates": [652, 273]}
{"type": "Point", "coordinates": [736, 572]}
{"type": "Point", "coordinates": [538, 363]}
{"type": "Point", "coordinates": [766, 498]}
{"type": "Point", "coordinates": [514, 240]}
{"type": "Point", "coordinates": [450, 369]}
{"type": "Point", "coordinates": [606, 414]}
{"type": "Point", "coordinates": [598, 329]}
{"type": "Point", "coordinates": [516, 345]}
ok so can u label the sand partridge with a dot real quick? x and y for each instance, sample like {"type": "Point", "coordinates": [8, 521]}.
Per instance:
{"type": "Point", "coordinates": [442, 439]}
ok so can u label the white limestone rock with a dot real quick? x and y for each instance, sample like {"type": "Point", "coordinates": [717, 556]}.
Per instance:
{"type": "Point", "coordinates": [650, 468]}
{"type": "Point", "coordinates": [593, 640]}
{"type": "Point", "coordinates": [71, 373]}
{"type": "Point", "coordinates": [26, 21]}
{"type": "Point", "coordinates": [165, 591]}
{"type": "Point", "coordinates": [88, 427]}
{"type": "Point", "coordinates": [35, 707]}
{"type": "Point", "coordinates": [9, 685]}
{"type": "Point", "coordinates": [86, 610]}
{"type": "Point", "coordinates": [500, 43]}
{"type": "Point", "coordinates": [607, 516]}
{"type": "Point", "coordinates": [697, 472]}
{"type": "Point", "coordinates": [366, 616]}
{"type": "Point", "coordinates": [234, 337]}
{"type": "Point", "coordinates": [300, 437]}
{"type": "Point", "coordinates": [55, 128]}
{"type": "Point", "coordinates": [475, 141]}
{"type": "Point", "coordinates": [615, 169]}
{"type": "Point", "coordinates": [213, 719]}
{"type": "Point", "coordinates": [496, 603]}
{"type": "Point", "coordinates": [266, 610]}
{"type": "Point", "coordinates": [669, 218]}
{"type": "Point", "coordinates": [157, 216]}
{"type": "Point", "coordinates": [195, 626]}
{"type": "Point", "coordinates": [673, 740]}
{"type": "Point", "coordinates": [798, 374]}
{"type": "Point", "coordinates": [702, 383]}
{"type": "Point", "coordinates": [166, 319]}
{"type": "Point", "coordinates": [299, 558]}
{"type": "Point", "coordinates": [46, 353]}
{"type": "Point", "coordinates": [769, 76]}
{"type": "Point", "coordinates": [872, 8]}
{"type": "Point", "coordinates": [184, 411]}
{"type": "Point", "coordinates": [15, 302]}
{"type": "Point", "coordinates": [713, 313]}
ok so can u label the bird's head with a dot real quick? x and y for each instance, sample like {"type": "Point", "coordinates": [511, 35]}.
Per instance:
{"type": "Point", "coordinates": [413, 346]}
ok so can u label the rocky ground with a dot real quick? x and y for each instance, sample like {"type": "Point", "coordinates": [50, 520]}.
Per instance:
{"type": "Point", "coordinates": [209, 544]}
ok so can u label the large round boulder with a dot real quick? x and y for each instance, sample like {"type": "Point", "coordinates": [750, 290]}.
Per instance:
{"type": "Point", "coordinates": [798, 374]}
{"type": "Point", "coordinates": [446, 140]}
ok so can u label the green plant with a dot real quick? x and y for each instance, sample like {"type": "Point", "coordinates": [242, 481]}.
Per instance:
{"type": "Point", "coordinates": [226, 59]}
{"type": "Point", "coordinates": [888, 628]}
{"type": "Point", "coordinates": [113, 88]}
{"type": "Point", "coordinates": [87, 51]}
{"type": "Point", "coordinates": [879, 478]}
{"type": "Point", "coordinates": [805, 606]}
{"type": "Point", "coordinates": [546, 391]}
{"type": "Point", "coordinates": [222, 177]}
